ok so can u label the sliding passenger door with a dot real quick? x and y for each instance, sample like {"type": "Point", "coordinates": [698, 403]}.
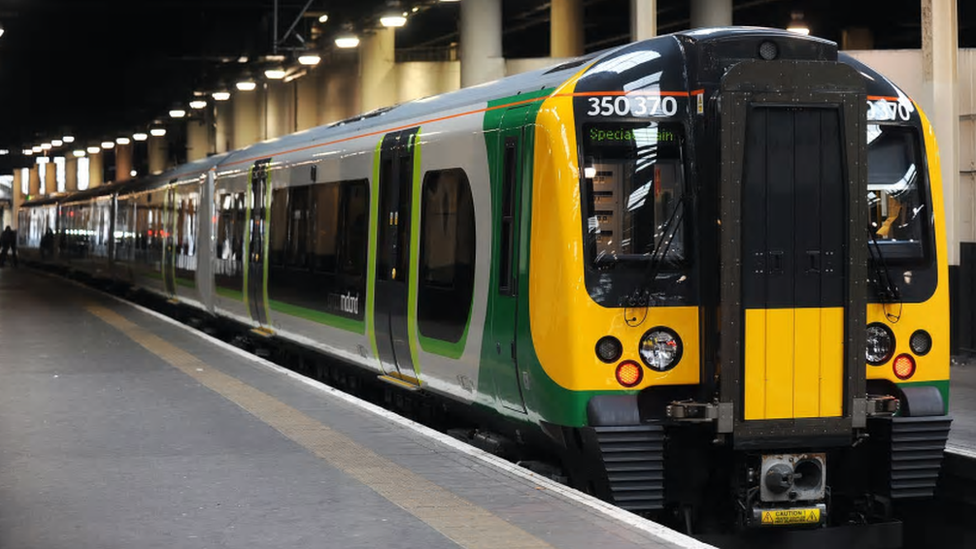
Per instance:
{"type": "Point", "coordinates": [256, 242]}
{"type": "Point", "coordinates": [393, 249]}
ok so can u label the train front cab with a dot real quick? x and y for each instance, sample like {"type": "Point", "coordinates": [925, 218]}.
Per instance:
{"type": "Point", "coordinates": [730, 249]}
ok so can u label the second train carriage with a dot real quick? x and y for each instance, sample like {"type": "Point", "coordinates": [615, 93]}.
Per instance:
{"type": "Point", "coordinates": [705, 270]}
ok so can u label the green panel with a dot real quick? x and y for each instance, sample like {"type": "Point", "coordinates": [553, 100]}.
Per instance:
{"type": "Point", "coordinates": [246, 257]}
{"type": "Point", "coordinates": [229, 293]}
{"type": "Point", "coordinates": [186, 282]}
{"type": "Point", "coordinates": [267, 239]}
{"type": "Point", "coordinates": [342, 323]}
{"type": "Point", "coordinates": [374, 197]}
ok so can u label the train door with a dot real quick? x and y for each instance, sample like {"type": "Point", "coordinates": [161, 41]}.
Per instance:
{"type": "Point", "coordinates": [510, 167]}
{"type": "Point", "coordinates": [169, 240]}
{"type": "Point", "coordinates": [793, 297]}
{"type": "Point", "coordinates": [391, 287]}
{"type": "Point", "coordinates": [257, 203]}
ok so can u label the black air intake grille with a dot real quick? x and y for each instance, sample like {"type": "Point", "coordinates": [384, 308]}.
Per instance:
{"type": "Point", "coordinates": [916, 446]}
{"type": "Point", "coordinates": [634, 460]}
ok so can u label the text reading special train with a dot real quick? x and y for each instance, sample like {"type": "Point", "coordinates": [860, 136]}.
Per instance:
{"type": "Point", "coordinates": [706, 271]}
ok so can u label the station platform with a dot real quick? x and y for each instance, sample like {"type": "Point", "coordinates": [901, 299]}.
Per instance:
{"type": "Point", "coordinates": [120, 428]}
{"type": "Point", "coordinates": [962, 407]}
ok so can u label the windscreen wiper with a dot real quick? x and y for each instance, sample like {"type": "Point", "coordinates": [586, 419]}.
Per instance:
{"type": "Point", "coordinates": [887, 290]}
{"type": "Point", "coordinates": [641, 295]}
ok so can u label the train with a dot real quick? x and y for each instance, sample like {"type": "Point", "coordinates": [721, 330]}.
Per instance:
{"type": "Point", "coordinates": [706, 271]}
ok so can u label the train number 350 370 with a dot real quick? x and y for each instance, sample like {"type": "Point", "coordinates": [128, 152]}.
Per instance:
{"type": "Point", "coordinates": [622, 105]}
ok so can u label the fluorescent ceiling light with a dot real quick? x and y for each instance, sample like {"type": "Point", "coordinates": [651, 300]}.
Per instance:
{"type": "Point", "coordinates": [45, 146]}
{"type": "Point", "coordinates": [246, 85]}
{"type": "Point", "coordinates": [310, 59]}
{"type": "Point", "coordinates": [177, 113]}
{"type": "Point", "coordinates": [157, 132]}
{"type": "Point", "coordinates": [198, 104]}
{"type": "Point", "coordinates": [323, 18]}
{"type": "Point", "coordinates": [94, 150]}
{"type": "Point", "coordinates": [393, 21]}
{"type": "Point", "coordinates": [221, 95]}
{"type": "Point", "coordinates": [133, 173]}
{"type": "Point", "coordinates": [79, 153]}
{"type": "Point", "coordinates": [4, 152]}
{"type": "Point", "coordinates": [37, 148]}
{"type": "Point", "coordinates": [347, 41]}
{"type": "Point", "coordinates": [123, 141]}
{"type": "Point", "coordinates": [56, 143]}
{"type": "Point", "coordinates": [108, 145]}
{"type": "Point", "coordinates": [27, 152]}
{"type": "Point", "coordinates": [68, 139]}
{"type": "Point", "coordinates": [140, 136]}
{"type": "Point", "coordinates": [274, 74]}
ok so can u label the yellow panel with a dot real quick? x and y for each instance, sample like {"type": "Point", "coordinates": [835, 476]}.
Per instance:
{"type": "Point", "coordinates": [779, 363]}
{"type": "Point", "coordinates": [755, 357]}
{"type": "Point", "coordinates": [831, 362]}
{"type": "Point", "coordinates": [807, 338]}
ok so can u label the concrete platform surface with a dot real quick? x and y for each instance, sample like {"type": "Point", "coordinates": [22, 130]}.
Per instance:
{"type": "Point", "coordinates": [120, 429]}
{"type": "Point", "coordinates": [962, 406]}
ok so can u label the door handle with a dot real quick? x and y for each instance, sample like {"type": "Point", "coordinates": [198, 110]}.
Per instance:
{"type": "Point", "coordinates": [813, 261]}
{"type": "Point", "coordinates": [776, 262]}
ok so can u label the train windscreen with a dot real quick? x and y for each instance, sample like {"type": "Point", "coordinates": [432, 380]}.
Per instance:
{"type": "Point", "coordinates": [897, 204]}
{"type": "Point", "coordinates": [634, 226]}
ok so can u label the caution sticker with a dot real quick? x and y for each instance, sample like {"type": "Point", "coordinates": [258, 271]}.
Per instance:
{"type": "Point", "coordinates": [790, 516]}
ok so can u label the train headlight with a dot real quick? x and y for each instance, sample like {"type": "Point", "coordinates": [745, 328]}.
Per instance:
{"type": "Point", "coordinates": [660, 349]}
{"type": "Point", "coordinates": [880, 344]}
{"type": "Point", "coordinates": [609, 349]}
{"type": "Point", "coordinates": [921, 342]}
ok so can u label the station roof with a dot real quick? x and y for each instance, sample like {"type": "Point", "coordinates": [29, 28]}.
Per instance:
{"type": "Point", "coordinates": [98, 69]}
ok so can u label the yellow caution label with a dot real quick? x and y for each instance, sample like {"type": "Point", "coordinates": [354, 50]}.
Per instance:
{"type": "Point", "coordinates": [790, 516]}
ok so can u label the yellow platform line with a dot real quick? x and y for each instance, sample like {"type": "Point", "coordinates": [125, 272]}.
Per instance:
{"type": "Point", "coordinates": [461, 521]}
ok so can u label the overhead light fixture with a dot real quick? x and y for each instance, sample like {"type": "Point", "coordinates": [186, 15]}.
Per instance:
{"type": "Point", "coordinates": [221, 95]}
{"type": "Point", "coordinates": [449, 1]}
{"type": "Point", "coordinates": [309, 59]}
{"type": "Point", "coordinates": [157, 132]}
{"type": "Point", "coordinates": [177, 113]}
{"type": "Point", "coordinates": [797, 25]}
{"type": "Point", "coordinates": [107, 145]}
{"type": "Point", "coordinates": [347, 41]}
{"type": "Point", "coordinates": [274, 74]}
{"type": "Point", "coordinates": [133, 173]}
{"type": "Point", "coordinates": [1, 30]}
{"type": "Point", "coordinates": [242, 59]}
{"type": "Point", "coordinates": [37, 148]}
{"type": "Point", "coordinates": [45, 146]}
{"type": "Point", "coordinates": [123, 140]}
{"type": "Point", "coordinates": [68, 139]}
{"type": "Point", "coordinates": [415, 9]}
{"type": "Point", "coordinates": [140, 136]}
{"type": "Point", "coordinates": [78, 153]}
{"type": "Point", "coordinates": [246, 85]}
{"type": "Point", "coordinates": [4, 152]}
{"type": "Point", "coordinates": [198, 104]}
{"type": "Point", "coordinates": [323, 18]}
{"type": "Point", "coordinates": [392, 20]}
{"type": "Point", "coordinates": [27, 152]}
{"type": "Point", "coordinates": [94, 150]}
{"type": "Point", "coordinates": [56, 143]}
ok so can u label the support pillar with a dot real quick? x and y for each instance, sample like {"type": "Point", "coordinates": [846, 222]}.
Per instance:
{"type": "Point", "coordinates": [306, 101]}
{"type": "Point", "coordinates": [35, 181]}
{"type": "Point", "coordinates": [339, 86]}
{"type": "Point", "coordinates": [248, 123]}
{"type": "Point", "coordinates": [566, 38]}
{"type": "Point", "coordinates": [50, 178]}
{"type": "Point", "coordinates": [158, 154]}
{"type": "Point", "coordinates": [711, 13]}
{"type": "Point", "coordinates": [940, 30]}
{"type": "Point", "coordinates": [71, 174]}
{"type": "Point", "coordinates": [197, 139]}
{"type": "Point", "coordinates": [95, 170]}
{"type": "Point", "coordinates": [224, 126]}
{"type": "Point", "coordinates": [643, 19]}
{"type": "Point", "coordinates": [279, 109]}
{"type": "Point", "coordinates": [377, 65]}
{"type": "Point", "coordinates": [123, 163]}
{"type": "Point", "coordinates": [481, 42]}
{"type": "Point", "coordinates": [18, 197]}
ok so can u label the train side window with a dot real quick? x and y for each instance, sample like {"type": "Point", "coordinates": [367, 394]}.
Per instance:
{"type": "Point", "coordinates": [354, 236]}
{"type": "Point", "coordinates": [447, 255]}
{"type": "Point", "coordinates": [325, 207]}
{"type": "Point", "coordinates": [506, 280]}
{"type": "Point", "coordinates": [279, 227]}
{"type": "Point", "coordinates": [298, 236]}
